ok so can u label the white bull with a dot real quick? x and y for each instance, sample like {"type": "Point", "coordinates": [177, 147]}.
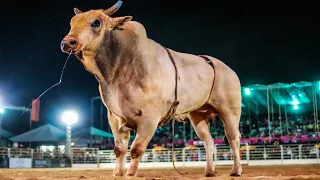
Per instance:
{"type": "Point", "coordinates": [143, 84]}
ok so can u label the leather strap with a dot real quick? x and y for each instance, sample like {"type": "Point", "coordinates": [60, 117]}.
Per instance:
{"type": "Point", "coordinates": [212, 65]}
{"type": "Point", "coordinates": [175, 103]}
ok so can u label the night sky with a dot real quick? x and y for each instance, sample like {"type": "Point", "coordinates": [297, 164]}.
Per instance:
{"type": "Point", "coordinates": [263, 41]}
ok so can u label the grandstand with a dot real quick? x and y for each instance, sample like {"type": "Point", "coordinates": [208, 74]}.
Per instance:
{"type": "Point", "coordinates": [287, 112]}
{"type": "Point", "coordinates": [279, 125]}
{"type": "Point", "coordinates": [284, 112]}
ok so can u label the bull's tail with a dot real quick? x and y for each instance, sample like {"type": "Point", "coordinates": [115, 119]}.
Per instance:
{"type": "Point", "coordinates": [172, 152]}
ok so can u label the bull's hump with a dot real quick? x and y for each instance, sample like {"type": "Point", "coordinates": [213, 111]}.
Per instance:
{"type": "Point", "coordinates": [138, 28]}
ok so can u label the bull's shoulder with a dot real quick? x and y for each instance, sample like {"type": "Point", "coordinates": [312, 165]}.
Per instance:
{"type": "Point", "coordinates": [137, 27]}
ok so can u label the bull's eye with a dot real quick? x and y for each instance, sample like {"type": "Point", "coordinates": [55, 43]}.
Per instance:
{"type": "Point", "coordinates": [96, 23]}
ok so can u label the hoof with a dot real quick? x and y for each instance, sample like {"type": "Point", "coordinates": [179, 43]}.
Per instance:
{"type": "Point", "coordinates": [235, 175]}
{"type": "Point", "coordinates": [210, 175]}
{"type": "Point", "coordinates": [117, 175]}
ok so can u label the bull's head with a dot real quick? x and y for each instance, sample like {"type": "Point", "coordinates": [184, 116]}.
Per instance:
{"type": "Point", "coordinates": [88, 29]}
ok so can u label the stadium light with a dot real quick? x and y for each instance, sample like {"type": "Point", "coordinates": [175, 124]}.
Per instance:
{"type": "Point", "coordinates": [247, 91]}
{"type": "Point", "coordinates": [295, 102]}
{"type": "Point", "coordinates": [69, 118]}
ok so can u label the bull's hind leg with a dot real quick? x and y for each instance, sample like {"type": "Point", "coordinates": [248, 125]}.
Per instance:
{"type": "Point", "coordinates": [226, 100]}
{"type": "Point", "coordinates": [201, 127]}
{"type": "Point", "coordinates": [121, 140]}
{"type": "Point", "coordinates": [231, 117]}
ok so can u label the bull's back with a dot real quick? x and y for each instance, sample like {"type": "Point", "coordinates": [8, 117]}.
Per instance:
{"type": "Point", "coordinates": [196, 77]}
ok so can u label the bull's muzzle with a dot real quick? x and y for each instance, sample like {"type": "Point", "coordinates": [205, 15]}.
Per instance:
{"type": "Point", "coordinates": [69, 44]}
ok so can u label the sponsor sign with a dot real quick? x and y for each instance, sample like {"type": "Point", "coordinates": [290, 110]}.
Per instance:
{"type": "Point", "coordinates": [20, 163]}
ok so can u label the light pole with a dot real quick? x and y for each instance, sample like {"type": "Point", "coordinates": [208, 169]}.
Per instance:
{"type": "Point", "coordinates": [69, 118]}
{"type": "Point", "coordinates": [1, 112]}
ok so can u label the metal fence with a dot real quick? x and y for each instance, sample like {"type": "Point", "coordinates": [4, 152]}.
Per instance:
{"type": "Point", "coordinates": [249, 154]}
{"type": "Point", "coordinates": [85, 156]}
{"type": "Point", "coordinates": [223, 154]}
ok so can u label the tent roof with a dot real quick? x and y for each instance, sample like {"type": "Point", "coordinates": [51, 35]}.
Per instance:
{"type": "Point", "coordinates": [6, 134]}
{"type": "Point", "coordinates": [86, 132]}
{"type": "Point", "coordinates": [286, 95]}
{"type": "Point", "coordinates": [279, 85]}
{"type": "Point", "coordinates": [45, 133]}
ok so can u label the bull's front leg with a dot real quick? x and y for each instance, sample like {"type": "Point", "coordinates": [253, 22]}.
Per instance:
{"type": "Point", "coordinates": [121, 140]}
{"type": "Point", "coordinates": [145, 131]}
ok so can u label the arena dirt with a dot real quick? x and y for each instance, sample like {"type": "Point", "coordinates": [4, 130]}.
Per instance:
{"type": "Point", "coordinates": [294, 172]}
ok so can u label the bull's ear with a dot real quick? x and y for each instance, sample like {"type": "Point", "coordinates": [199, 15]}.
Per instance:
{"type": "Point", "coordinates": [120, 21]}
{"type": "Point", "coordinates": [77, 11]}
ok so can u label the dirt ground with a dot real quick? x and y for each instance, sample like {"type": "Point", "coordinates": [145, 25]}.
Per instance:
{"type": "Point", "coordinates": [310, 172]}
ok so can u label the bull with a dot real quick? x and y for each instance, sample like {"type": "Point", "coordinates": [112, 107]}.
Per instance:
{"type": "Point", "coordinates": [143, 84]}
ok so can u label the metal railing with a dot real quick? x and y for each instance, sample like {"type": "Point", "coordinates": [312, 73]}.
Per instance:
{"type": "Point", "coordinates": [85, 156]}
{"type": "Point", "coordinates": [249, 154]}
{"type": "Point", "coordinates": [223, 153]}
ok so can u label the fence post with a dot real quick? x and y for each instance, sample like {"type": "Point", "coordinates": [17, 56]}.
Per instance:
{"type": "Point", "coordinates": [264, 152]}
{"type": "Point", "coordinates": [300, 153]}
{"type": "Point", "coordinates": [31, 153]}
{"type": "Point", "coordinates": [71, 157]}
{"type": "Point", "coordinates": [281, 148]}
{"type": "Point", "coordinates": [215, 153]}
{"type": "Point", "coordinates": [85, 157]}
{"type": "Point", "coordinates": [247, 153]}
{"type": "Point", "coordinates": [153, 156]}
{"type": "Point", "coordinates": [98, 158]}
{"type": "Point", "coordinates": [318, 154]}
{"type": "Point", "coordinates": [184, 155]}
{"type": "Point", "coordinates": [9, 152]}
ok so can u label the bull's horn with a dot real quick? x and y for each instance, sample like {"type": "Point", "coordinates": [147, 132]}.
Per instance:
{"type": "Point", "coordinates": [113, 9]}
{"type": "Point", "coordinates": [77, 11]}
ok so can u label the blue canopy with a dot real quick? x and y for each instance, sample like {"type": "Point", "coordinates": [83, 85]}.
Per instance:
{"type": "Point", "coordinates": [6, 134]}
{"type": "Point", "coordinates": [86, 132]}
{"type": "Point", "coordinates": [46, 133]}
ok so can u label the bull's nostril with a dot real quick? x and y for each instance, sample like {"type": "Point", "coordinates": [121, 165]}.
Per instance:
{"type": "Point", "coordinates": [73, 42]}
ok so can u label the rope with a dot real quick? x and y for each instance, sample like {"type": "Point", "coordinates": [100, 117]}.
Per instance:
{"type": "Point", "coordinates": [176, 74]}
{"type": "Point", "coordinates": [172, 152]}
{"type": "Point", "coordinates": [174, 109]}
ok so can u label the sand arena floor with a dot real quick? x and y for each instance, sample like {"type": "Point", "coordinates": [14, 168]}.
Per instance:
{"type": "Point", "coordinates": [294, 172]}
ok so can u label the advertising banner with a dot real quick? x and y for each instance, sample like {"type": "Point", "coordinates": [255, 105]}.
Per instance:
{"type": "Point", "coordinates": [20, 163]}
{"type": "Point", "coordinates": [51, 163]}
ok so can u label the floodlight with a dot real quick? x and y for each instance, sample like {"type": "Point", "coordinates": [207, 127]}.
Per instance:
{"type": "Point", "coordinates": [70, 117]}
{"type": "Point", "coordinates": [247, 91]}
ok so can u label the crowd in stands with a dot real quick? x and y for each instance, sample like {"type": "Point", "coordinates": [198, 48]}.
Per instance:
{"type": "Point", "coordinates": [5, 142]}
{"type": "Point", "coordinates": [253, 131]}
